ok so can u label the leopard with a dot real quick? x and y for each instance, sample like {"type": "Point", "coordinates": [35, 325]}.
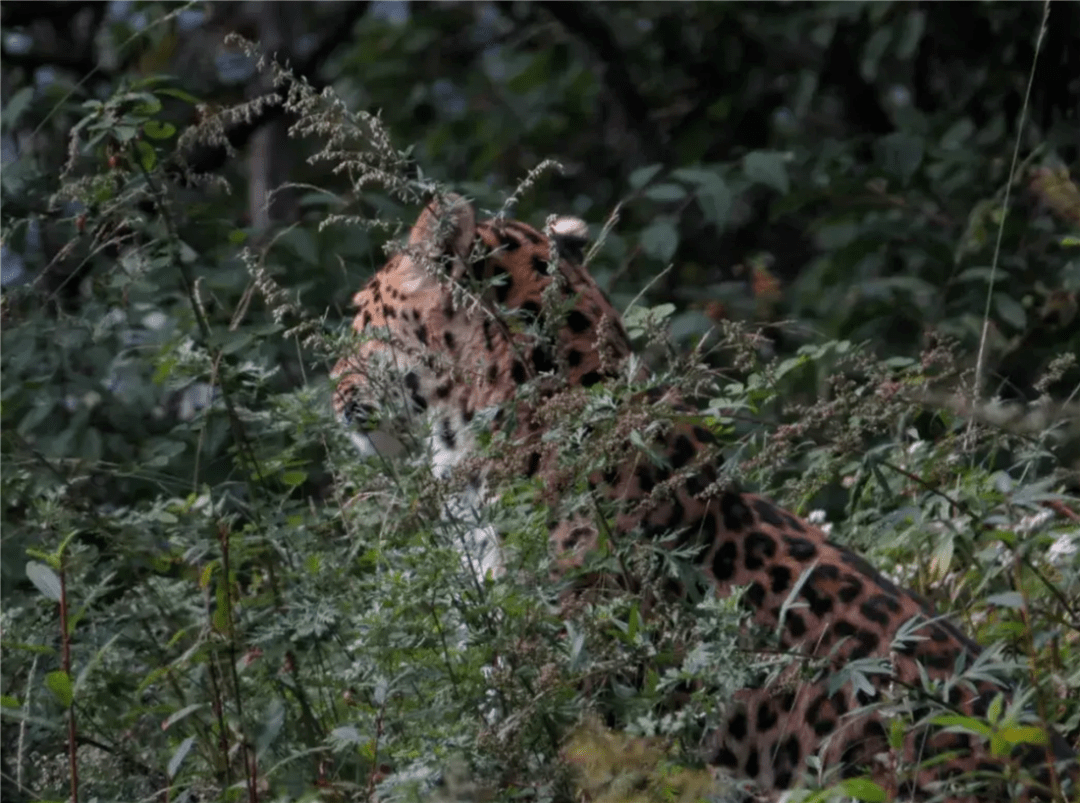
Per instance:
{"type": "Point", "coordinates": [471, 312]}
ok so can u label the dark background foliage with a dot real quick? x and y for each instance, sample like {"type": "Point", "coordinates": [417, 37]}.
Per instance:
{"type": "Point", "coordinates": [814, 172]}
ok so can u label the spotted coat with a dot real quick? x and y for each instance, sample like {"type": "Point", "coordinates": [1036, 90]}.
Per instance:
{"type": "Point", "coordinates": [456, 321]}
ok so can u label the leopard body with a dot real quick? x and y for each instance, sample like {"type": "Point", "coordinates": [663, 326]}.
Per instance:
{"type": "Point", "coordinates": [460, 357]}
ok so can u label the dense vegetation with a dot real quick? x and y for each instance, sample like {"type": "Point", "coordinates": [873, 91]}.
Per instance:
{"type": "Point", "coordinates": [848, 230]}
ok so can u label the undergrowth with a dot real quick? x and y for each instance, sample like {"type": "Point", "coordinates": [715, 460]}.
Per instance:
{"type": "Point", "coordinates": [223, 603]}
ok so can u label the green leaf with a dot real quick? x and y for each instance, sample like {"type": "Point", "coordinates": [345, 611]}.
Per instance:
{"type": "Point", "coordinates": [1023, 734]}
{"type": "Point", "coordinates": [125, 133]}
{"type": "Point", "coordinates": [665, 192]}
{"type": "Point", "coordinates": [147, 157]}
{"type": "Point", "coordinates": [155, 129]}
{"type": "Point", "coordinates": [294, 478]}
{"type": "Point", "coordinates": [643, 175]}
{"type": "Point", "coordinates": [768, 168]}
{"type": "Point", "coordinates": [272, 723]}
{"type": "Point", "coordinates": [911, 32]}
{"type": "Point", "coordinates": [660, 239]}
{"type": "Point", "coordinates": [965, 723]}
{"type": "Point", "coordinates": [863, 789]}
{"type": "Point", "coordinates": [44, 579]}
{"type": "Point", "coordinates": [900, 154]}
{"type": "Point", "coordinates": [1007, 599]}
{"type": "Point", "coordinates": [347, 734]}
{"type": "Point", "coordinates": [1010, 311]}
{"type": "Point", "coordinates": [15, 107]}
{"type": "Point", "coordinates": [958, 134]}
{"type": "Point", "coordinates": [179, 94]}
{"type": "Point", "coordinates": [176, 716]}
{"type": "Point", "coordinates": [178, 756]}
{"type": "Point", "coordinates": [59, 684]}
{"type": "Point", "coordinates": [873, 50]}
{"type": "Point", "coordinates": [715, 199]}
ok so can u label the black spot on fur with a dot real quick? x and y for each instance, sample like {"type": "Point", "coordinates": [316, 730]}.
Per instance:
{"type": "Point", "coordinates": [851, 589]}
{"type": "Point", "coordinates": [793, 522]}
{"type": "Point", "coordinates": [489, 343]}
{"type": "Point", "coordinates": [448, 337]}
{"type": "Point", "coordinates": [752, 767]}
{"type": "Point", "coordinates": [492, 374]}
{"type": "Point", "coordinates": [937, 660]}
{"type": "Point", "coordinates": [448, 434]}
{"type": "Point", "coordinates": [388, 312]}
{"type": "Point", "coordinates": [795, 624]}
{"type": "Point", "coordinates": [723, 563]}
{"type": "Point", "coordinates": [504, 284]}
{"type": "Point", "coordinates": [755, 594]}
{"type": "Point", "coordinates": [781, 579]}
{"type": "Point", "coordinates": [863, 567]}
{"type": "Point", "coordinates": [573, 358]}
{"type": "Point", "coordinates": [443, 390]}
{"type": "Point", "coordinates": [800, 549]}
{"type": "Point", "coordinates": [517, 371]}
{"type": "Point", "coordinates": [737, 726]}
{"type": "Point", "coordinates": [575, 537]}
{"type": "Point", "coordinates": [703, 435]}
{"type": "Point", "coordinates": [766, 717]}
{"type": "Point", "coordinates": [736, 515]}
{"type": "Point", "coordinates": [412, 384]}
{"type": "Point", "coordinates": [981, 704]}
{"type": "Point", "coordinates": [541, 360]}
{"type": "Point", "coordinates": [787, 701]}
{"type": "Point", "coordinates": [694, 485]}
{"type": "Point", "coordinates": [534, 464]}
{"type": "Point", "coordinates": [844, 628]}
{"type": "Point", "coordinates": [677, 515]}
{"type": "Point", "coordinates": [768, 513]}
{"type": "Point", "coordinates": [878, 608]}
{"type": "Point", "coordinates": [539, 265]}
{"type": "Point", "coordinates": [682, 453]}
{"type": "Point", "coordinates": [938, 634]}
{"type": "Point", "coordinates": [819, 603]}
{"type": "Point", "coordinates": [526, 231]}
{"type": "Point", "coordinates": [759, 548]}
{"type": "Point", "coordinates": [868, 643]}
{"type": "Point", "coordinates": [577, 322]}
{"type": "Point", "coordinates": [590, 379]}
{"type": "Point", "coordinates": [725, 758]}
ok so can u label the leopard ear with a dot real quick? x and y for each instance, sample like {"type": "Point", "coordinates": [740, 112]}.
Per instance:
{"type": "Point", "coordinates": [448, 223]}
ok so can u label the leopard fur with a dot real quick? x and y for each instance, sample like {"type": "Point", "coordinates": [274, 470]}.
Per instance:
{"type": "Point", "coordinates": [458, 353]}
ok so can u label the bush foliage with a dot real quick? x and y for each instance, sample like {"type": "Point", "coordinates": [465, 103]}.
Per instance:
{"type": "Point", "coordinates": [847, 231]}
